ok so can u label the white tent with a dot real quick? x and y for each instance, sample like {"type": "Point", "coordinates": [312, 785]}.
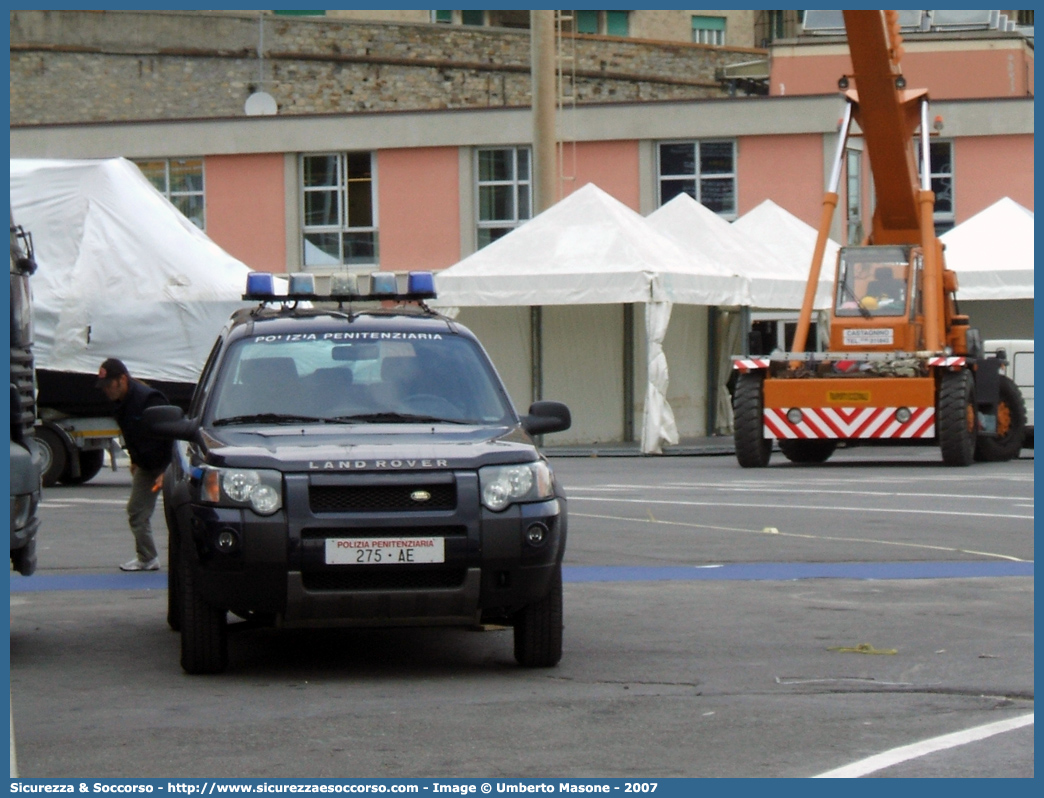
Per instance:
{"type": "Point", "coordinates": [589, 248]}
{"type": "Point", "coordinates": [792, 242]}
{"type": "Point", "coordinates": [774, 283]}
{"type": "Point", "coordinates": [121, 272]}
{"type": "Point", "coordinates": [992, 253]}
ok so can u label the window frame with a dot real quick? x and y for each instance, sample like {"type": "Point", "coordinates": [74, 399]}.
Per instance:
{"type": "Point", "coordinates": [171, 195]}
{"type": "Point", "coordinates": [343, 227]}
{"type": "Point", "coordinates": [697, 177]}
{"type": "Point", "coordinates": [709, 29]}
{"type": "Point", "coordinates": [515, 182]}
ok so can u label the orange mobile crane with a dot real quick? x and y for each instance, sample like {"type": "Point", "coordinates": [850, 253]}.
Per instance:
{"type": "Point", "coordinates": [903, 365]}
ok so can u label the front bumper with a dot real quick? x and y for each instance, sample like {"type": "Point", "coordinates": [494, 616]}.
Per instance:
{"type": "Point", "coordinates": [277, 566]}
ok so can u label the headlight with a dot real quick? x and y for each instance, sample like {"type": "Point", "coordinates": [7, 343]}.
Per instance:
{"type": "Point", "coordinates": [261, 489]}
{"type": "Point", "coordinates": [504, 485]}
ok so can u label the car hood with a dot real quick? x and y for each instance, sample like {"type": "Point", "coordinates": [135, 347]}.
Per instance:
{"type": "Point", "coordinates": [371, 447]}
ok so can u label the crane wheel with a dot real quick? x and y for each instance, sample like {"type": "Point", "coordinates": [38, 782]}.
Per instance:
{"type": "Point", "coordinates": [808, 451]}
{"type": "Point", "coordinates": [956, 419]}
{"type": "Point", "coordinates": [1011, 426]}
{"type": "Point", "coordinates": [753, 449]}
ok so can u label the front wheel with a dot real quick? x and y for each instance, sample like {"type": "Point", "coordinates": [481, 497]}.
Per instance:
{"type": "Point", "coordinates": [753, 449]}
{"type": "Point", "coordinates": [1011, 426]}
{"type": "Point", "coordinates": [956, 419]}
{"type": "Point", "coordinates": [538, 628]}
{"type": "Point", "coordinates": [808, 451]}
{"type": "Point", "coordinates": [204, 629]}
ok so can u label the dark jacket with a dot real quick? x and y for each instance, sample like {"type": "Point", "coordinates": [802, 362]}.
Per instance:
{"type": "Point", "coordinates": [146, 450]}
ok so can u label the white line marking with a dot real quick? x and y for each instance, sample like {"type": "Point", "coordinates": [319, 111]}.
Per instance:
{"type": "Point", "coordinates": [769, 489]}
{"type": "Point", "coordinates": [925, 747]}
{"type": "Point", "coordinates": [801, 535]}
{"type": "Point", "coordinates": [70, 502]}
{"type": "Point", "coordinates": [573, 497]}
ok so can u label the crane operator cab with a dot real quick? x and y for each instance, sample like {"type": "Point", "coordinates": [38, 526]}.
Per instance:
{"type": "Point", "coordinates": [876, 301]}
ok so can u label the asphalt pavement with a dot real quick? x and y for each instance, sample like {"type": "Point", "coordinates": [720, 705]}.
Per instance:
{"type": "Point", "coordinates": [703, 638]}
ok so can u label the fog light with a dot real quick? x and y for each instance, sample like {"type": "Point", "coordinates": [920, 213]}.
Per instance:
{"type": "Point", "coordinates": [227, 541]}
{"type": "Point", "coordinates": [536, 534]}
{"type": "Point", "coordinates": [902, 415]}
{"type": "Point", "coordinates": [794, 415]}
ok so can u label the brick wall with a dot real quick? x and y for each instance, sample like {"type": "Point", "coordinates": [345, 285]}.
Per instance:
{"type": "Point", "coordinates": [86, 66]}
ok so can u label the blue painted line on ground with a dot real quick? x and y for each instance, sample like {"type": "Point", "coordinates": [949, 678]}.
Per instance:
{"type": "Point", "coordinates": [743, 572]}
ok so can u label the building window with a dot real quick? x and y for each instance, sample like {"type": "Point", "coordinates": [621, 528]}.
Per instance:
{"type": "Point", "coordinates": [612, 23]}
{"type": "Point", "coordinates": [708, 30]}
{"type": "Point", "coordinates": [504, 197]}
{"type": "Point", "coordinates": [854, 196]}
{"type": "Point", "coordinates": [473, 17]}
{"type": "Point", "coordinates": [587, 22]}
{"type": "Point", "coordinates": [338, 209]}
{"type": "Point", "coordinates": [444, 17]}
{"type": "Point", "coordinates": [941, 155]}
{"type": "Point", "coordinates": [181, 181]}
{"type": "Point", "coordinates": [705, 170]}
{"type": "Point", "coordinates": [616, 23]}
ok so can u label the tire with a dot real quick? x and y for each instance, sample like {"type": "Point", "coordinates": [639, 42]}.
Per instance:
{"type": "Point", "coordinates": [55, 463]}
{"type": "Point", "coordinates": [753, 449]}
{"type": "Point", "coordinates": [204, 629]}
{"type": "Point", "coordinates": [538, 628]}
{"type": "Point", "coordinates": [174, 577]}
{"type": "Point", "coordinates": [956, 418]}
{"type": "Point", "coordinates": [91, 462]}
{"type": "Point", "coordinates": [1011, 426]}
{"type": "Point", "coordinates": [808, 451]}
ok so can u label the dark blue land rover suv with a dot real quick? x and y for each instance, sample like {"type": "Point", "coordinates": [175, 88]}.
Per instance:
{"type": "Point", "coordinates": [359, 467]}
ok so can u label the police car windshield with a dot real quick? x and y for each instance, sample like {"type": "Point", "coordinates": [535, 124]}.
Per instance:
{"type": "Point", "coordinates": [357, 377]}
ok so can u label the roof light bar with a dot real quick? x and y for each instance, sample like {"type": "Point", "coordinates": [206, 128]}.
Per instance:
{"type": "Point", "coordinates": [383, 286]}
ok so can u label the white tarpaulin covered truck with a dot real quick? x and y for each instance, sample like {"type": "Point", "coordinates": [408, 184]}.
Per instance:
{"type": "Point", "coordinates": [121, 274]}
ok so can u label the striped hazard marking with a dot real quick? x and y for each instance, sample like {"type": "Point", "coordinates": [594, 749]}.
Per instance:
{"type": "Point", "coordinates": [849, 422]}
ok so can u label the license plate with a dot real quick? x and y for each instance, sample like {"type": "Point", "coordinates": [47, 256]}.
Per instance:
{"type": "Point", "coordinates": [384, 551]}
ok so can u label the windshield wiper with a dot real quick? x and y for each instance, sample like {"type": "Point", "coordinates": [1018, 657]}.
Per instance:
{"type": "Point", "coordinates": [397, 418]}
{"type": "Point", "coordinates": [269, 418]}
{"type": "Point", "coordinates": [846, 288]}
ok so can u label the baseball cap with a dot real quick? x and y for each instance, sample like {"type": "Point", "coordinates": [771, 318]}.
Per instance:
{"type": "Point", "coordinates": [110, 370]}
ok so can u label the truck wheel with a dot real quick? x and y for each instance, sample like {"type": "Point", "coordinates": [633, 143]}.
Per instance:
{"type": "Point", "coordinates": [753, 449]}
{"type": "Point", "coordinates": [204, 629]}
{"type": "Point", "coordinates": [91, 462]}
{"type": "Point", "coordinates": [538, 628]}
{"type": "Point", "coordinates": [1011, 426]}
{"type": "Point", "coordinates": [808, 451]}
{"type": "Point", "coordinates": [956, 418]}
{"type": "Point", "coordinates": [55, 458]}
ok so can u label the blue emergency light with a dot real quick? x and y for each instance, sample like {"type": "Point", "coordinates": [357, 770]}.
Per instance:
{"type": "Point", "coordinates": [420, 283]}
{"type": "Point", "coordinates": [384, 286]}
{"type": "Point", "coordinates": [301, 283]}
{"type": "Point", "coordinates": [260, 284]}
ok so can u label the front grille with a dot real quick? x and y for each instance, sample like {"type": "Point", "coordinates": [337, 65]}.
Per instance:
{"type": "Point", "coordinates": [383, 577]}
{"type": "Point", "coordinates": [385, 532]}
{"type": "Point", "coordinates": [378, 498]}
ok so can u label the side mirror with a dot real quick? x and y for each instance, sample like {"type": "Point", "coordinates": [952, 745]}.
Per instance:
{"type": "Point", "coordinates": [168, 421]}
{"type": "Point", "coordinates": [546, 417]}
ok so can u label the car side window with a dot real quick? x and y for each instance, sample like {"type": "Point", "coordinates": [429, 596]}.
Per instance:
{"type": "Point", "coordinates": [206, 379]}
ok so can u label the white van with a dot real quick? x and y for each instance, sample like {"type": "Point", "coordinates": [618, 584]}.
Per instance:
{"type": "Point", "coordinates": [1019, 354]}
